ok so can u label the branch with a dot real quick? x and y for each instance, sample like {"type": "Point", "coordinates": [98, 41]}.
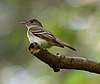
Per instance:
{"type": "Point", "coordinates": [64, 62]}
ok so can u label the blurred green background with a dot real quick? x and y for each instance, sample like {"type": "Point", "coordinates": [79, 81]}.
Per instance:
{"type": "Point", "coordinates": [76, 22]}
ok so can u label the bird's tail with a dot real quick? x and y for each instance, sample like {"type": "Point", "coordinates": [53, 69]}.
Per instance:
{"type": "Point", "coordinates": [70, 47]}
{"type": "Point", "coordinates": [63, 44]}
{"type": "Point", "coordinates": [66, 45]}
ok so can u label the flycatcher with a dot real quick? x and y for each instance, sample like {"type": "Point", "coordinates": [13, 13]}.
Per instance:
{"type": "Point", "coordinates": [45, 39]}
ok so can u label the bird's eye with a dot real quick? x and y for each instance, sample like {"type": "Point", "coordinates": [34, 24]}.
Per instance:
{"type": "Point", "coordinates": [31, 21]}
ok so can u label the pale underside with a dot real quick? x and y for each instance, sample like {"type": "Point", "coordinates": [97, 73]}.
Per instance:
{"type": "Point", "coordinates": [42, 42]}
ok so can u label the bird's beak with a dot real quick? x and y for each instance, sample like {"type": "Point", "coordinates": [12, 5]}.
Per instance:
{"type": "Point", "coordinates": [23, 22]}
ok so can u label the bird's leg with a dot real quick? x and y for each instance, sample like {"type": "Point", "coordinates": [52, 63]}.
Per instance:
{"type": "Point", "coordinates": [34, 48]}
{"type": "Point", "coordinates": [45, 49]}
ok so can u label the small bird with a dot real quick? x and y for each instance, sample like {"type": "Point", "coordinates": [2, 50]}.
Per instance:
{"type": "Point", "coordinates": [45, 39]}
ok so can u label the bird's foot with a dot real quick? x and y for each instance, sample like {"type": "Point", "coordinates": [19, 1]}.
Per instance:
{"type": "Point", "coordinates": [44, 49]}
{"type": "Point", "coordinates": [34, 48]}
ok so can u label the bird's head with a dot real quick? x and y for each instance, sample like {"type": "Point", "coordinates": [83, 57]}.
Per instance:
{"type": "Point", "coordinates": [31, 22]}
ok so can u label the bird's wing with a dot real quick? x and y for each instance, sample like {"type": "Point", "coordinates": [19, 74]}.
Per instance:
{"type": "Point", "coordinates": [44, 34]}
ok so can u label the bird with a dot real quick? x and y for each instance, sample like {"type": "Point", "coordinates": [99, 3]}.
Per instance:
{"type": "Point", "coordinates": [37, 34]}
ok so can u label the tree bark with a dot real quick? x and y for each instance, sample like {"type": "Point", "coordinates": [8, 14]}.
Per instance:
{"type": "Point", "coordinates": [57, 62]}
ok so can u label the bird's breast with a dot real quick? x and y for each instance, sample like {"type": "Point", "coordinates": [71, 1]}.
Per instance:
{"type": "Point", "coordinates": [32, 38]}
